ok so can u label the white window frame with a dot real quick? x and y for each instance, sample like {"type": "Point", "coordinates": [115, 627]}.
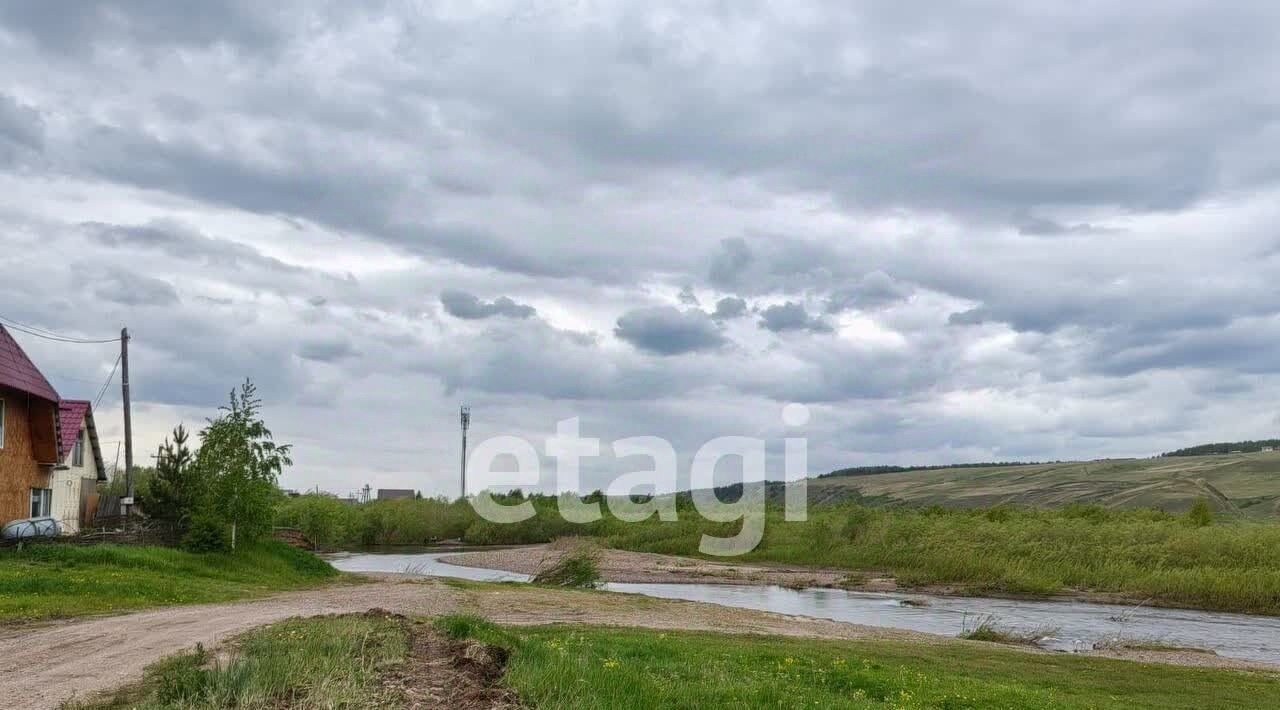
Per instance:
{"type": "Point", "coordinates": [42, 497]}
{"type": "Point", "coordinates": [77, 451]}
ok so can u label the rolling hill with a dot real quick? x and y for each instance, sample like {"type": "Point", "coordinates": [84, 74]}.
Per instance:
{"type": "Point", "coordinates": [1246, 484]}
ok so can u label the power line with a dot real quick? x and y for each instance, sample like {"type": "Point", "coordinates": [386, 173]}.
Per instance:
{"type": "Point", "coordinates": [50, 335]}
{"type": "Point", "coordinates": [63, 376]}
{"type": "Point", "coordinates": [106, 384]}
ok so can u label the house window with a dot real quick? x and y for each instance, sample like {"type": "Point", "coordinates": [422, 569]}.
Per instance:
{"type": "Point", "coordinates": [41, 502]}
{"type": "Point", "coordinates": [77, 451]}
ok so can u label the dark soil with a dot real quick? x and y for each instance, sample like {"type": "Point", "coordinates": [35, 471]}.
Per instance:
{"type": "Point", "coordinates": [444, 673]}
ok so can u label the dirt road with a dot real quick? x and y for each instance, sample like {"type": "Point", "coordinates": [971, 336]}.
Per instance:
{"type": "Point", "coordinates": [42, 666]}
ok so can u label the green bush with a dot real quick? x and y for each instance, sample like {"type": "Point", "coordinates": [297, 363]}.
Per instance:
{"type": "Point", "coordinates": [578, 567]}
{"type": "Point", "coordinates": [1201, 514]}
{"type": "Point", "coordinates": [207, 534]}
{"type": "Point", "coordinates": [331, 523]}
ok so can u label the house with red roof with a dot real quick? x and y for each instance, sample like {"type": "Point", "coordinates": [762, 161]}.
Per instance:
{"type": "Point", "coordinates": [39, 433]}
{"type": "Point", "coordinates": [74, 482]}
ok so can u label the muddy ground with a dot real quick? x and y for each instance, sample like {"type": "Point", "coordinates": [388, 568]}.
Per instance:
{"type": "Point", "coordinates": [444, 673]}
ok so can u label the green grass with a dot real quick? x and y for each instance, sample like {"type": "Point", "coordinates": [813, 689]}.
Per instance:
{"type": "Point", "coordinates": [465, 626]}
{"type": "Point", "coordinates": [339, 662]}
{"type": "Point", "coordinates": [589, 667]}
{"type": "Point", "coordinates": [52, 581]}
{"type": "Point", "coordinates": [986, 628]}
{"type": "Point", "coordinates": [327, 662]}
{"type": "Point", "coordinates": [1140, 554]}
{"type": "Point", "coordinates": [579, 567]}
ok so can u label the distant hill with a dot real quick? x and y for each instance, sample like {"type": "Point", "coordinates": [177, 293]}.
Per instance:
{"type": "Point", "coordinates": [877, 470]}
{"type": "Point", "coordinates": [1247, 484]}
{"type": "Point", "coordinates": [1230, 447]}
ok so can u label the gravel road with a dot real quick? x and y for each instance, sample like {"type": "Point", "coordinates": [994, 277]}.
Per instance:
{"type": "Point", "coordinates": [42, 666]}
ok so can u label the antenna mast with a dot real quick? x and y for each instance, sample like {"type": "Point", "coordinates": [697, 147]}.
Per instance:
{"type": "Point", "coordinates": [466, 424]}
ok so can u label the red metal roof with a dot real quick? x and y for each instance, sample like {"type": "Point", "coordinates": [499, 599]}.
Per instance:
{"type": "Point", "coordinates": [71, 415]}
{"type": "Point", "coordinates": [17, 370]}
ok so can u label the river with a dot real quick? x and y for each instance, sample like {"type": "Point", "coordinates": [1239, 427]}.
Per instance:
{"type": "Point", "coordinates": [1068, 625]}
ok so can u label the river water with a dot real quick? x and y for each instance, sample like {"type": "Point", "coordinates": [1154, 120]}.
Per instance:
{"type": "Point", "coordinates": [1066, 625]}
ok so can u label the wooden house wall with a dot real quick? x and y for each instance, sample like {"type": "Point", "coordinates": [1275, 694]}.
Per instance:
{"type": "Point", "coordinates": [19, 471]}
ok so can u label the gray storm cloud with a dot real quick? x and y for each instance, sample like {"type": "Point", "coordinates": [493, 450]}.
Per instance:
{"type": "Point", "coordinates": [953, 248]}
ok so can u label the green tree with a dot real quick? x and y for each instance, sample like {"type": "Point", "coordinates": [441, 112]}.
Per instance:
{"type": "Point", "coordinates": [240, 463]}
{"type": "Point", "coordinates": [326, 521]}
{"type": "Point", "coordinates": [177, 489]}
{"type": "Point", "coordinates": [1201, 514]}
{"type": "Point", "coordinates": [142, 476]}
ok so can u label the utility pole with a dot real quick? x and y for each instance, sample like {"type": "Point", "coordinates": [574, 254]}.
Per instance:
{"type": "Point", "coordinates": [466, 424]}
{"type": "Point", "coordinates": [365, 490]}
{"type": "Point", "coordinates": [128, 423]}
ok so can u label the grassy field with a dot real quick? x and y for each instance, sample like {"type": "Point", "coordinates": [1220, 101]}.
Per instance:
{"type": "Point", "coordinates": [327, 662]}
{"type": "Point", "coordinates": [1237, 485]}
{"type": "Point", "coordinates": [338, 661]}
{"type": "Point", "coordinates": [566, 667]}
{"type": "Point", "coordinates": [51, 581]}
{"type": "Point", "coordinates": [1141, 554]}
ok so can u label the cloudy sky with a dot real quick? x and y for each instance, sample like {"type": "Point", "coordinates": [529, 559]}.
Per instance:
{"type": "Point", "coordinates": [958, 231]}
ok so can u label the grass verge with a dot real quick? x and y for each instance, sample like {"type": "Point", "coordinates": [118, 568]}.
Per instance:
{"type": "Point", "coordinates": [346, 662]}
{"type": "Point", "coordinates": [52, 581]}
{"type": "Point", "coordinates": [324, 662]}
{"type": "Point", "coordinates": [591, 667]}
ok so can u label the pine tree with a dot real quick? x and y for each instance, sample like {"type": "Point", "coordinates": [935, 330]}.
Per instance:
{"type": "Point", "coordinates": [177, 489]}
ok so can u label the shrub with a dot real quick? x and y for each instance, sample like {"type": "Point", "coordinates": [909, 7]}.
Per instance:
{"type": "Point", "coordinates": [577, 567]}
{"type": "Point", "coordinates": [986, 628]}
{"type": "Point", "coordinates": [1200, 515]}
{"type": "Point", "coordinates": [326, 521]}
{"type": "Point", "coordinates": [207, 534]}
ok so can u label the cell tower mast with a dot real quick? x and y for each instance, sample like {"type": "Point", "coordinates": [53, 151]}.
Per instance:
{"type": "Point", "coordinates": [466, 424]}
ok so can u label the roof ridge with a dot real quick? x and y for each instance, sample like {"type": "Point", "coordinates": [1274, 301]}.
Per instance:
{"type": "Point", "coordinates": [19, 371]}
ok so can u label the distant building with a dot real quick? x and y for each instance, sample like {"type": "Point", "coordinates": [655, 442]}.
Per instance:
{"type": "Point", "coordinates": [1268, 448]}
{"type": "Point", "coordinates": [396, 493]}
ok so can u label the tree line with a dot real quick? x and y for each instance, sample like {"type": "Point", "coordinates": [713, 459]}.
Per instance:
{"type": "Point", "coordinates": [1226, 447]}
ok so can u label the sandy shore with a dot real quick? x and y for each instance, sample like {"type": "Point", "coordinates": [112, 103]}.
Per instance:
{"type": "Point", "coordinates": [648, 568]}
